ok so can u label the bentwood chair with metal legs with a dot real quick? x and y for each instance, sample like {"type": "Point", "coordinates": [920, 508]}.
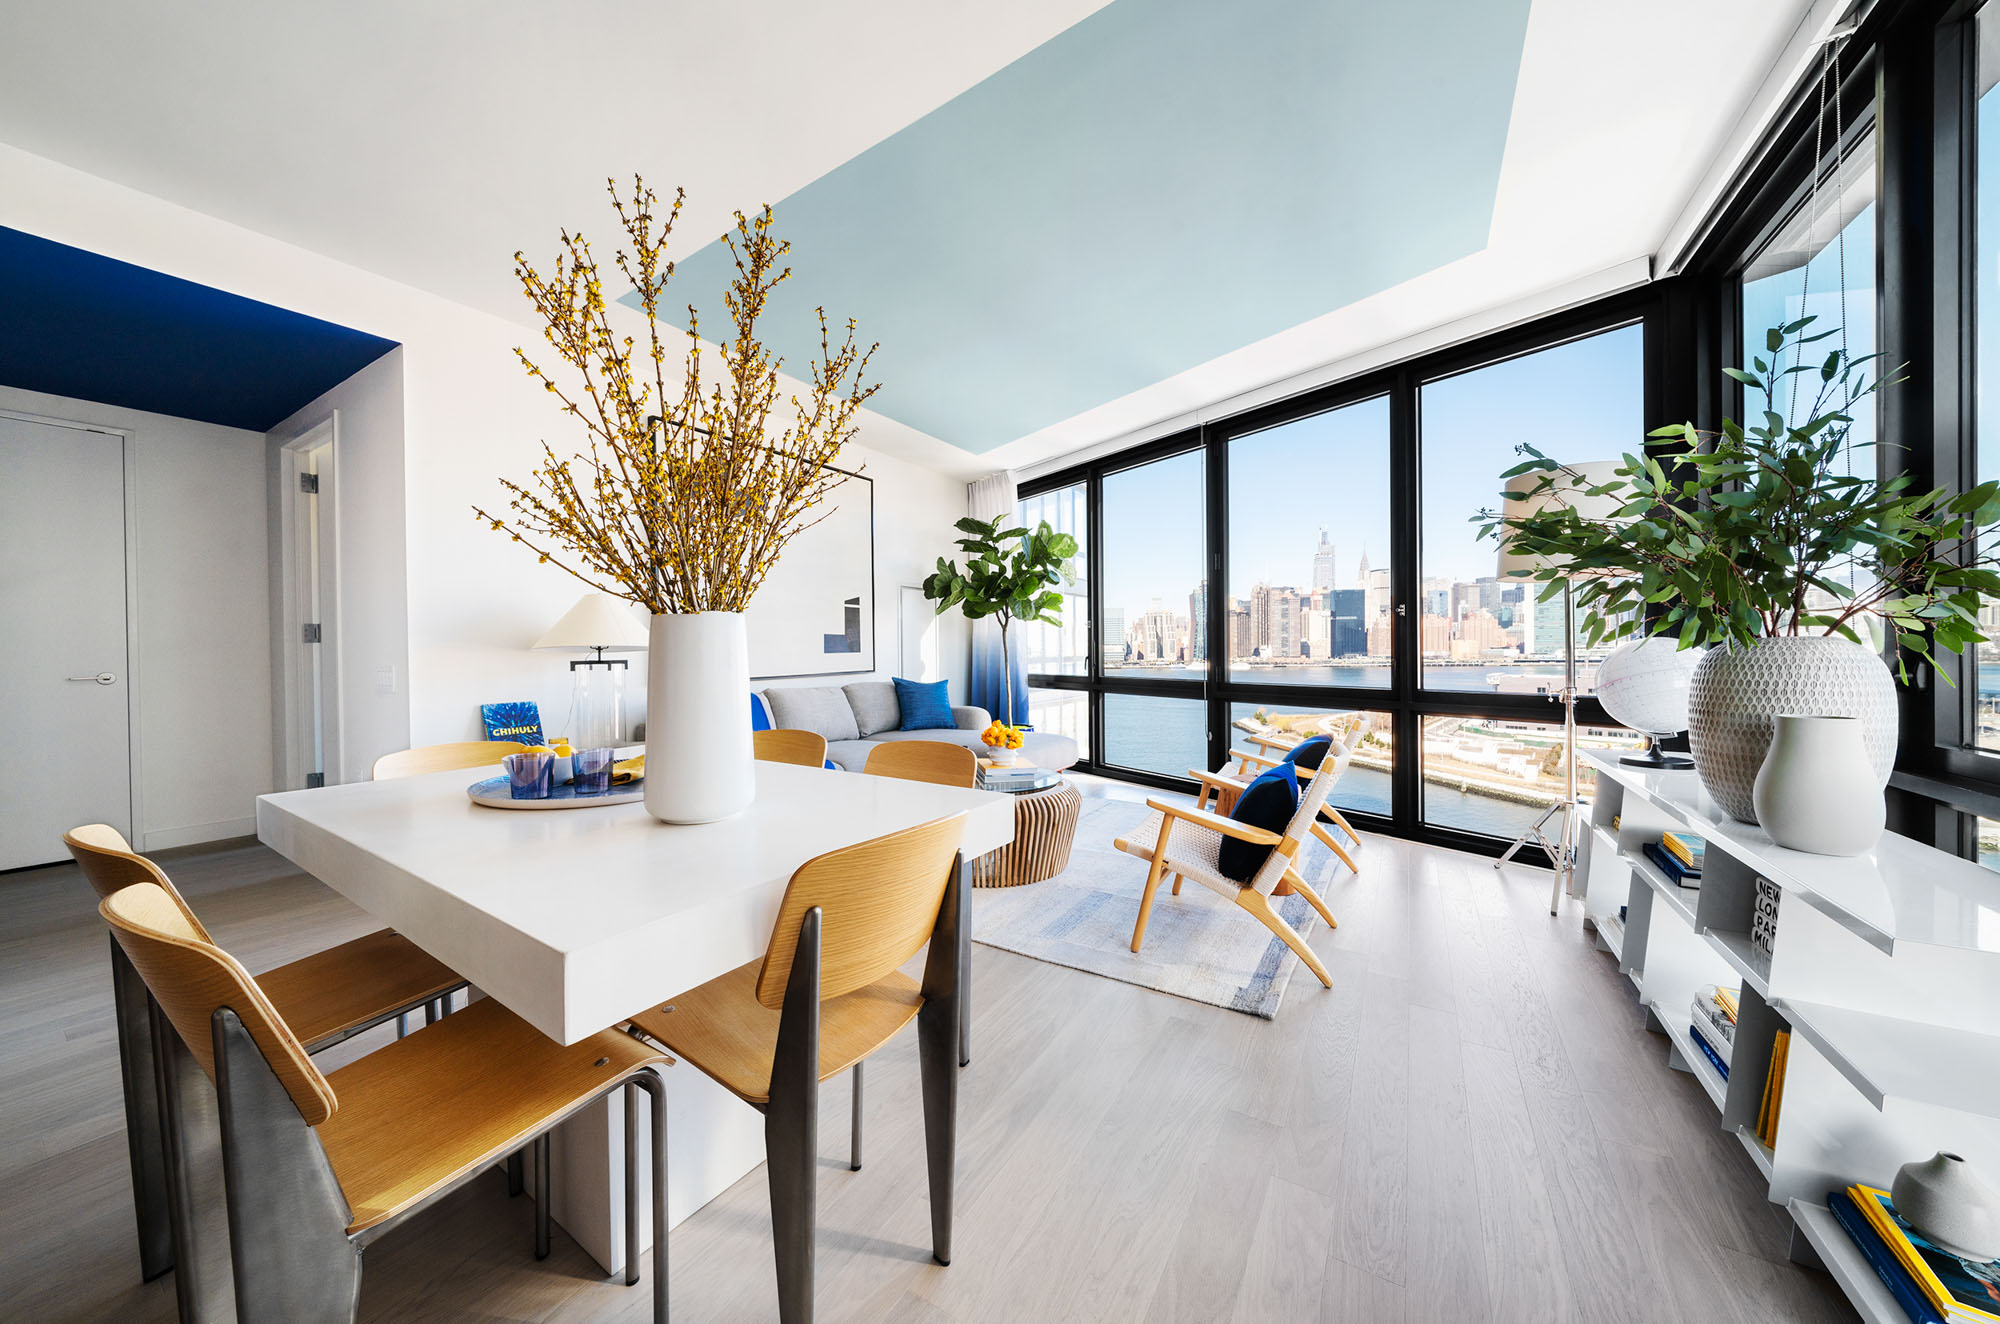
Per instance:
{"type": "Point", "coordinates": [936, 761]}
{"type": "Point", "coordinates": [784, 745]}
{"type": "Point", "coordinates": [328, 998]}
{"type": "Point", "coordinates": [442, 758]}
{"type": "Point", "coordinates": [827, 994]}
{"type": "Point", "coordinates": [316, 1167]}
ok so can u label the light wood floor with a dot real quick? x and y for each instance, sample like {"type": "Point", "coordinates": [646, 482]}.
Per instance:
{"type": "Point", "coordinates": [1470, 1125]}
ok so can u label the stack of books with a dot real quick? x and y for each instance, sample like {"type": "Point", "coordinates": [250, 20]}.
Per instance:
{"type": "Point", "coordinates": [1714, 1025]}
{"type": "Point", "coordinates": [1678, 854]}
{"type": "Point", "coordinates": [1013, 777]}
{"type": "Point", "coordinates": [1931, 1285]}
{"type": "Point", "coordinates": [1774, 1091]}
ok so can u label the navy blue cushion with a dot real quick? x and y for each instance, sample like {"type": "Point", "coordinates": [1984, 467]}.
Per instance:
{"type": "Point", "coordinates": [759, 719]}
{"type": "Point", "coordinates": [1308, 754]}
{"type": "Point", "coordinates": [1267, 802]}
{"type": "Point", "coordinates": [925, 707]}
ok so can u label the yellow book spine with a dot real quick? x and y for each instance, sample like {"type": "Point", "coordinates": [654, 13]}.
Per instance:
{"type": "Point", "coordinates": [1778, 1095]}
{"type": "Point", "coordinates": [1770, 1088]}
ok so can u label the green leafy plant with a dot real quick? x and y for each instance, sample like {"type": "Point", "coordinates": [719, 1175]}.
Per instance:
{"type": "Point", "coordinates": [1017, 583]}
{"type": "Point", "coordinates": [1766, 530]}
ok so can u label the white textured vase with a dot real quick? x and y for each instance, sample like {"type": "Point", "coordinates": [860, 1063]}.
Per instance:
{"type": "Point", "coordinates": [1817, 791]}
{"type": "Point", "coordinates": [698, 748]}
{"type": "Point", "coordinates": [1736, 691]}
{"type": "Point", "coordinates": [1944, 1198]}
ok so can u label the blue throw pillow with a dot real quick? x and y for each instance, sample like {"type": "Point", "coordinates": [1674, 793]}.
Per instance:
{"type": "Point", "coordinates": [759, 719]}
{"type": "Point", "coordinates": [1267, 802]}
{"type": "Point", "coordinates": [1308, 754]}
{"type": "Point", "coordinates": [925, 707]}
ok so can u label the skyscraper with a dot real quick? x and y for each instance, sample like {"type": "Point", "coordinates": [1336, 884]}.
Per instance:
{"type": "Point", "coordinates": [1350, 624]}
{"type": "Point", "coordinates": [1260, 617]}
{"type": "Point", "coordinates": [1323, 562]}
{"type": "Point", "coordinates": [1111, 649]}
{"type": "Point", "coordinates": [1198, 622]}
{"type": "Point", "coordinates": [1287, 631]}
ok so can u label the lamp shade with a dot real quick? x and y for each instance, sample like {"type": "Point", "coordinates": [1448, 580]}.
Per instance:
{"type": "Point", "coordinates": [1567, 489]}
{"type": "Point", "coordinates": [598, 620]}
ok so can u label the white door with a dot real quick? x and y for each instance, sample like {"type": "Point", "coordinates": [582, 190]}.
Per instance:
{"type": "Point", "coordinates": [62, 644]}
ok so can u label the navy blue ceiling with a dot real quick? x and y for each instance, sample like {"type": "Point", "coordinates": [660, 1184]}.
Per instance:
{"type": "Point", "coordinates": [78, 324]}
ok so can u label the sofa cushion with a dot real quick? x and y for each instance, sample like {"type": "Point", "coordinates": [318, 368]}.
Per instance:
{"type": "Point", "coordinates": [925, 707]}
{"type": "Point", "coordinates": [875, 706]}
{"type": "Point", "coordinates": [820, 708]}
{"type": "Point", "coordinates": [849, 755]}
{"type": "Point", "coordinates": [1268, 802]}
{"type": "Point", "coordinates": [1041, 748]}
{"type": "Point", "coordinates": [760, 717]}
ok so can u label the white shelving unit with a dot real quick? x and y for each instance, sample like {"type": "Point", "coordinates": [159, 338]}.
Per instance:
{"type": "Point", "coordinates": [1885, 968]}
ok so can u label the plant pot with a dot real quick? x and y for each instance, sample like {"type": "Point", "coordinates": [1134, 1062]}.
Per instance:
{"type": "Point", "coordinates": [1817, 791]}
{"type": "Point", "coordinates": [1944, 1198]}
{"type": "Point", "coordinates": [698, 748]}
{"type": "Point", "coordinates": [1001, 758]}
{"type": "Point", "coordinates": [1736, 691]}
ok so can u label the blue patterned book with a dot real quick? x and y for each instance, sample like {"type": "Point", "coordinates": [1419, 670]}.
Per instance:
{"type": "Point", "coordinates": [1671, 867]}
{"type": "Point", "coordinates": [1892, 1274]}
{"type": "Point", "coordinates": [1714, 1058]}
{"type": "Point", "coordinates": [518, 722]}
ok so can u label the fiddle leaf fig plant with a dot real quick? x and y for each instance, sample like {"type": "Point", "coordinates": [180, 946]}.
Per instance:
{"type": "Point", "coordinates": [1010, 574]}
{"type": "Point", "coordinates": [1766, 529]}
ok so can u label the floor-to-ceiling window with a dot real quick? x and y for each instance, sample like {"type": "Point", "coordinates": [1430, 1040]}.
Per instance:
{"type": "Point", "coordinates": [1482, 632]}
{"type": "Point", "coordinates": [1060, 651]}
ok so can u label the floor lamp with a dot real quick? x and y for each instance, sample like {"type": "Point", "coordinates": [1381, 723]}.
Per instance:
{"type": "Point", "coordinates": [1568, 489]}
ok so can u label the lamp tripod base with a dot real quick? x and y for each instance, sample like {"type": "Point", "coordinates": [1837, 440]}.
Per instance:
{"type": "Point", "coordinates": [1656, 760]}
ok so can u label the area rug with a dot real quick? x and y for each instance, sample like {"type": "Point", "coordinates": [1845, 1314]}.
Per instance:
{"type": "Point", "coordinates": [1198, 945]}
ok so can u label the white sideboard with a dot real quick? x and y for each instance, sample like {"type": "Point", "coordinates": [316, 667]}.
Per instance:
{"type": "Point", "coordinates": [1886, 969]}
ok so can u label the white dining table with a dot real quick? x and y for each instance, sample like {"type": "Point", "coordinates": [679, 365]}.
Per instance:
{"type": "Point", "coordinates": [576, 919]}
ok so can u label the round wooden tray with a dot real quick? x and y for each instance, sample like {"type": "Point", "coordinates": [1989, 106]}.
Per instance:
{"type": "Point", "coordinates": [498, 793]}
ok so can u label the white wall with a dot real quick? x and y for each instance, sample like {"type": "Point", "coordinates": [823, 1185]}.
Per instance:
{"type": "Point", "coordinates": [475, 601]}
{"type": "Point", "coordinates": [203, 685]}
{"type": "Point", "coordinates": [372, 638]}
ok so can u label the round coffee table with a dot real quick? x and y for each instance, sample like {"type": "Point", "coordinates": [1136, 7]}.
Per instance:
{"type": "Point", "coordinates": [1044, 829]}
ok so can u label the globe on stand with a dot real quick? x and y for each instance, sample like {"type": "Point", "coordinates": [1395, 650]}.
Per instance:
{"type": "Point", "coordinates": [1643, 684]}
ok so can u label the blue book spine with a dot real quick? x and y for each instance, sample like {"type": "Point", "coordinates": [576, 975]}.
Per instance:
{"type": "Point", "coordinates": [1715, 1059]}
{"type": "Point", "coordinates": [1668, 865]}
{"type": "Point", "coordinates": [1887, 1268]}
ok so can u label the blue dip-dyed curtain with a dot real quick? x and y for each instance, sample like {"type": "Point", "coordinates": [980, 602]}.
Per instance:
{"type": "Point", "coordinates": [993, 497]}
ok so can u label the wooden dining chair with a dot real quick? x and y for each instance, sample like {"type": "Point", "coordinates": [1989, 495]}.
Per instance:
{"type": "Point", "coordinates": [826, 994]}
{"type": "Point", "coordinates": [784, 745]}
{"type": "Point", "coordinates": [1217, 791]}
{"type": "Point", "coordinates": [1187, 842]}
{"type": "Point", "coordinates": [936, 761]}
{"type": "Point", "coordinates": [443, 758]}
{"type": "Point", "coordinates": [316, 1167]}
{"type": "Point", "coordinates": [327, 998]}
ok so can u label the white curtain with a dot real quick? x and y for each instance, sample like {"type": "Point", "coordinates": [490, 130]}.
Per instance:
{"type": "Point", "coordinates": [992, 497]}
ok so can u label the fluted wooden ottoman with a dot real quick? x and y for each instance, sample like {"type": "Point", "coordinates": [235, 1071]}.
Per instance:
{"type": "Point", "coordinates": [1044, 828]}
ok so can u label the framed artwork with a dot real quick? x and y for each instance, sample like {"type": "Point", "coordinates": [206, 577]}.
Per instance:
{"type": "Point", "coordinates": [815, 614]}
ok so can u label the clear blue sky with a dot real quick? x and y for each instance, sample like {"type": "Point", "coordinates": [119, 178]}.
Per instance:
{"type": "Point", "coordinates": [1581, 401]}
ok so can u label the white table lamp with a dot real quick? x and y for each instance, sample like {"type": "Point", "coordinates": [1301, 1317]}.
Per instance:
{"type": "Point", "coordinates": [600, 624]}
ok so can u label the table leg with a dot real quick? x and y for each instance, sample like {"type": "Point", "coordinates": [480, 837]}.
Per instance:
{"type": "Point", "coordinates": [965, 963]}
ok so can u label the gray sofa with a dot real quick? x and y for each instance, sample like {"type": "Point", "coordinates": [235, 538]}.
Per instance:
{"type": "Point", "coordinates": [856, 718]}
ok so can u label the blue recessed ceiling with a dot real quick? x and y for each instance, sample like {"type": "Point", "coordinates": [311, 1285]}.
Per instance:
{"type": "Point", "coordinates": [1162, 183]}
{"type": "Point", "coordinates": [78, 324]}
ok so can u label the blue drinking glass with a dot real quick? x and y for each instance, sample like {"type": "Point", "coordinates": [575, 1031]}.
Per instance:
{"type": "Point", "coordinates": [529, 776]}
{"type": "Point", "coordinates": [593, 771]}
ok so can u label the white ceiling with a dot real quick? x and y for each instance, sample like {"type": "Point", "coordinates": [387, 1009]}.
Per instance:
{"type": "Point", "coordinates": [428, 141]}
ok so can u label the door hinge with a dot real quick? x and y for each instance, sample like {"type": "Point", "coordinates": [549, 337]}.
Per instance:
{"type": "Point", "coordinates": [310, 632]}
{"type": "Point", "coordinates": [315, 780]}
{"type": "Point", "coordinates": [309, 483]}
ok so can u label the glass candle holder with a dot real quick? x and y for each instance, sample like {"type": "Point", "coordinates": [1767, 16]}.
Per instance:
{"type": "Point", "coordinates": [529, 776]}
{"type": "Point", "coordinates": [593, 771]}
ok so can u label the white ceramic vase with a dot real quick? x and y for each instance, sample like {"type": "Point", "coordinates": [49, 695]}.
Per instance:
{"type": "Point", "coordinates": [1736, 691]}
{"type": "Point", "coordinates": [1817, 791]}
{"type": "Point", "coordinates": [698, 748]}
{"type": "Point", "coordinates": [1944, 1198]}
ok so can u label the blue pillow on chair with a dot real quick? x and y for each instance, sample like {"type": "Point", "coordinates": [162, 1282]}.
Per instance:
{"type": "Point", "coordinates": [925, 707]}
{"type": "Point", "coordinates": [1308, 754]}
{"type": "Point", "coordinates": [1268, 802]}
{"type": "Point", "coordinates": [760, 720]}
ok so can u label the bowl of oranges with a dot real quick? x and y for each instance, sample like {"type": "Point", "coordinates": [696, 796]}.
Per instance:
{"type": "Point", "coordinates": [1003, 742]}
